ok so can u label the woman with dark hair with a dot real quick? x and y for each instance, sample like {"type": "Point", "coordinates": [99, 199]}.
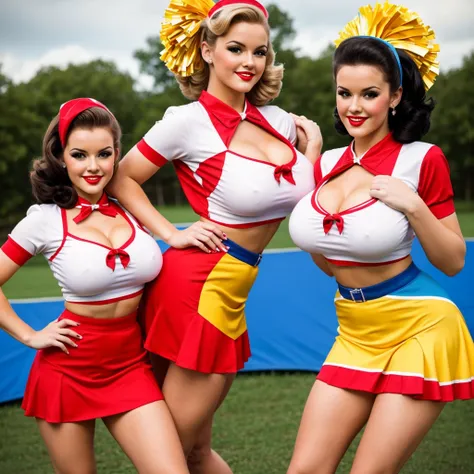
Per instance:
{"type": "Point", "coordinates": [403, 349]}
{"type": "Point", "coordinates": [90, 362]}
{"type": "Point", "coordinates": [236, 160]}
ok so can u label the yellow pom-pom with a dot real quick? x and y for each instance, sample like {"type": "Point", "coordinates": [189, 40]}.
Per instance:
{"type": "Point", "coordinates": [403, 29]}
{"type": "Point", "coordinates": [179, 35]}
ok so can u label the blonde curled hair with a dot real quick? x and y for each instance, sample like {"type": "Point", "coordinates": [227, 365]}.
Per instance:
{"type": "Point", "coordinates": [269, 85]}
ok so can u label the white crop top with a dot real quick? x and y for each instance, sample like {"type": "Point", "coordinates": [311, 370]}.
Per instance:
{"type": "Point", "coordinates": [221, 185]}
{"type": "Point", "coordinates": [372, 233]}
{"type": "Point", "coordinates": [86, 271]}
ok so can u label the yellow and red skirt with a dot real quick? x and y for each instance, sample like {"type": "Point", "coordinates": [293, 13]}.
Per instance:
{"type": "Point", "coordinates": [107, 374]}
{"type": "Point", "coordinates": [194, 311]}
{"type": "Point", "coordinates": [402, 336]}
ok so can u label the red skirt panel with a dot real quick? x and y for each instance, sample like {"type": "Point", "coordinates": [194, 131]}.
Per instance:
{"type": "Point", "coordinates": [107, 374]}
{"type": "Point", "coordinates": [193, 312]}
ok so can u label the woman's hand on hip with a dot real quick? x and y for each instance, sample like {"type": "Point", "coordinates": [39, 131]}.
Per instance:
{"type": "Point", "coordinates": [55, 334]}
{"type": "Point", "coordinates": [205, 235]}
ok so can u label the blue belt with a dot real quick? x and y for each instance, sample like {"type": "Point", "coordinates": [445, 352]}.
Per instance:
{"type": "Point", "coordinates": [386, 287]}
{"type": "Point", "coordinates": [244, 255]}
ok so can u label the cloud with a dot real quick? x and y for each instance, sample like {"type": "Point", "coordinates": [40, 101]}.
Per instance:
{"type": "Point", "coordinates": [24, 69]}
{"type": "Point", "coordinates": [58, 32]}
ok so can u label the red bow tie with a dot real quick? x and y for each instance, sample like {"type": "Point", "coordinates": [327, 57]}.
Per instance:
{"type": "Point", "coordinates": [286, 172]}
{"type": "Point", "coordinates": [123, 256]}
{"type": "Point", "coordinates": [329, 220]}
{"type": "Point", "coordinates": [103, 206]}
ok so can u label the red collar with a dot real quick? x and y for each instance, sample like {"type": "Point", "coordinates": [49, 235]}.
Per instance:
{"type": "Point", "coordinates": [226, 119]}
{"type": "Point", "coordinates": [379, 159]}
{"type": "Point", "coordinates": [103, 205]}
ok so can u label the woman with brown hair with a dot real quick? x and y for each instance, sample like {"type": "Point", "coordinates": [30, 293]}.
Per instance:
{"type": "Point", "coordinates": [236, 159]}
{"type": "Point", "coordinates": [90, 362]}
{"type": "Point", "coordinates": [403, 349]}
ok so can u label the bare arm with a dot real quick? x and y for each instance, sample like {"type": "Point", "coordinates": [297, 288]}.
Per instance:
{"type": "Point", "coordinates": [322, 263]}
{"type": "Point", "coordinates": [55, 334]}
{"type": "Point", "coordinates": [132, 172]}
{"type": "Point", "coordinates": [441, 239]}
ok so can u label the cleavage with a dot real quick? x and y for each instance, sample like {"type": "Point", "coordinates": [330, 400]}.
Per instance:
{"type": "Point", "coordinates": [254, 142]}
{"type": "Point", "coordinates": [346, 190]}
{"type": "Point", "coordinates": [102, 230]}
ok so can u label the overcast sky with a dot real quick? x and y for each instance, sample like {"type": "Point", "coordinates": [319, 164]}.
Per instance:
{"type": "Point", "coordinates": [34, 33]}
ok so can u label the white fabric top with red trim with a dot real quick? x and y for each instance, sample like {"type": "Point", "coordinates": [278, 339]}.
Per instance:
{"type": "Point", "coordinates": [372, 233]}
{"type": "Point", "coordinates": [221, 185]}
{"type": "Point", "coordinates": [87, 272]}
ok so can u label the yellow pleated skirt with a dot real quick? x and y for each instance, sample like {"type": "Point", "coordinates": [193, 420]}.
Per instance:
{"type": "Point", "coordinates": [413, 341]}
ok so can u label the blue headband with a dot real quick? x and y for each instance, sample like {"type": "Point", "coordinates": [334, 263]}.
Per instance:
{"type": "Point", "coordinates": [394, 51]}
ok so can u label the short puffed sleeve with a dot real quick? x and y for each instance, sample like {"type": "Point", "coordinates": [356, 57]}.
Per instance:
{"type": "Point", "coordinates": [281, 121]}
{"type": "Point", "coordinates": [166, 140]}
{"type": "Point", "coordinates": [29, 237]}
{"type": "Point", "coordinates": [434, 185]}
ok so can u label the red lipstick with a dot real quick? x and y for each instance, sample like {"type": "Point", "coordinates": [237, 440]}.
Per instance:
{"type": "Point", "coordinates": [356, 121]}
{"type": "Point", "coordinates": [245, 76]}
{"type": "Point", "coordinates": [92, 179]}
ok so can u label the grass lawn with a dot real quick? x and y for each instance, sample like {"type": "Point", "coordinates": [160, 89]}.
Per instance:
{"type": "Point", "coordinates": [255, 428]}
{"type": "Point", "coordinates": [255, 431]}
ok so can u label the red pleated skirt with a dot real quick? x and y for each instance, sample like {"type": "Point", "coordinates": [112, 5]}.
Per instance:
{"type": "Point", "coordinates": [107, 374]}
{"type": "Point", "coordinates": [193, 312]}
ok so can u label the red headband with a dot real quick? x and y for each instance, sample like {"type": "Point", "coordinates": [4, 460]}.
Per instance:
{"type": "Point", "coordinates": [224, 3]}
{"type": "Point", "coordinates": [70, 110]}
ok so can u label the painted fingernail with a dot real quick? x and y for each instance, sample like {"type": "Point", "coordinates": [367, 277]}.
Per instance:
{"type": "Point", "coordinates": [225, 236]}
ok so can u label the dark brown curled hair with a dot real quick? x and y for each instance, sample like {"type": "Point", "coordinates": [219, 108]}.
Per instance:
{"type": "Point", "coordinates": [49, 179]}
{"type": "Point", "coordinates": [412, 119]}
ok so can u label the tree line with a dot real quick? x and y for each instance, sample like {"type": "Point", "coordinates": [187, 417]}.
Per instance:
{"type": "Point", "coordinates": [308, 89]}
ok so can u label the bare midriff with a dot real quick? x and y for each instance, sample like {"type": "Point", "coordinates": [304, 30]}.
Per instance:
{"type": "Point", "coordinates": [254, 239]}
{"type": "Point", "coordinates": [362, 276]}
{"type": "Point", "coordinates": [118, 309]}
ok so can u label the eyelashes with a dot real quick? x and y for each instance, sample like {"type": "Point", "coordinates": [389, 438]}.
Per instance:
{"type": "Point", "coordinates": [237, 50]}
{"type": "Point", "coordinates": [367, 95]}
{"type": "Point", "coordinates": [79, 156]}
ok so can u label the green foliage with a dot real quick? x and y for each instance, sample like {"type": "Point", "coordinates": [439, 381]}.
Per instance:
{"type": "Point", "coordinates": [308, 89]}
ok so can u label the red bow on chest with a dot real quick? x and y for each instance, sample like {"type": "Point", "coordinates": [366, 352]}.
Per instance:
{"type": "Point", "coordinates": [284, 171]}
{"type": "Point", "coordinates": [123, 256]}
{"type": "Point", "coordinates": [330, 219]}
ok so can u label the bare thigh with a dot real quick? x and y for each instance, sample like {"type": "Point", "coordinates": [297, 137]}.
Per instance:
{"type": "Point", "coordinates": [192, 398]}
{"type": "Point", "coordinates": [202, 459]}
{"type": "Point", "coordinates": [148, 437]}
{"type": "Point", "coordinates": [331, 419]}
{"type": "Point", "coordinates": [70, 446]}
{"type": "Point", "coordinates": [395, 428]}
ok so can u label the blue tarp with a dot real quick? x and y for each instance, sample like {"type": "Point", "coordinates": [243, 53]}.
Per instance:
{"type": "Point", "coordinates": [290, 316]}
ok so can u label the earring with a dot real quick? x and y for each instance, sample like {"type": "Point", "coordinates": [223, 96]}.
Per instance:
{"type": "Point", "coordinates": [394, 112]}
{"type": "Point", "coordinates": [64, 165]}
{"type": "Point", "coordinates": [209, 61]}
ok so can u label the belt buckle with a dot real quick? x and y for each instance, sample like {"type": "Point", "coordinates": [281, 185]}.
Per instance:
{"type": "Point", "coordinates": [259, 259]}
{"type": "Point", "coordinates": [355, 292]}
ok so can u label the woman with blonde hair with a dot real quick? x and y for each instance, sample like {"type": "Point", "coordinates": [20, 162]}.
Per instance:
{"type": "Point", "coordinates": [236, 159]}
{"type": "Point", "coordinates": [403, 349]}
